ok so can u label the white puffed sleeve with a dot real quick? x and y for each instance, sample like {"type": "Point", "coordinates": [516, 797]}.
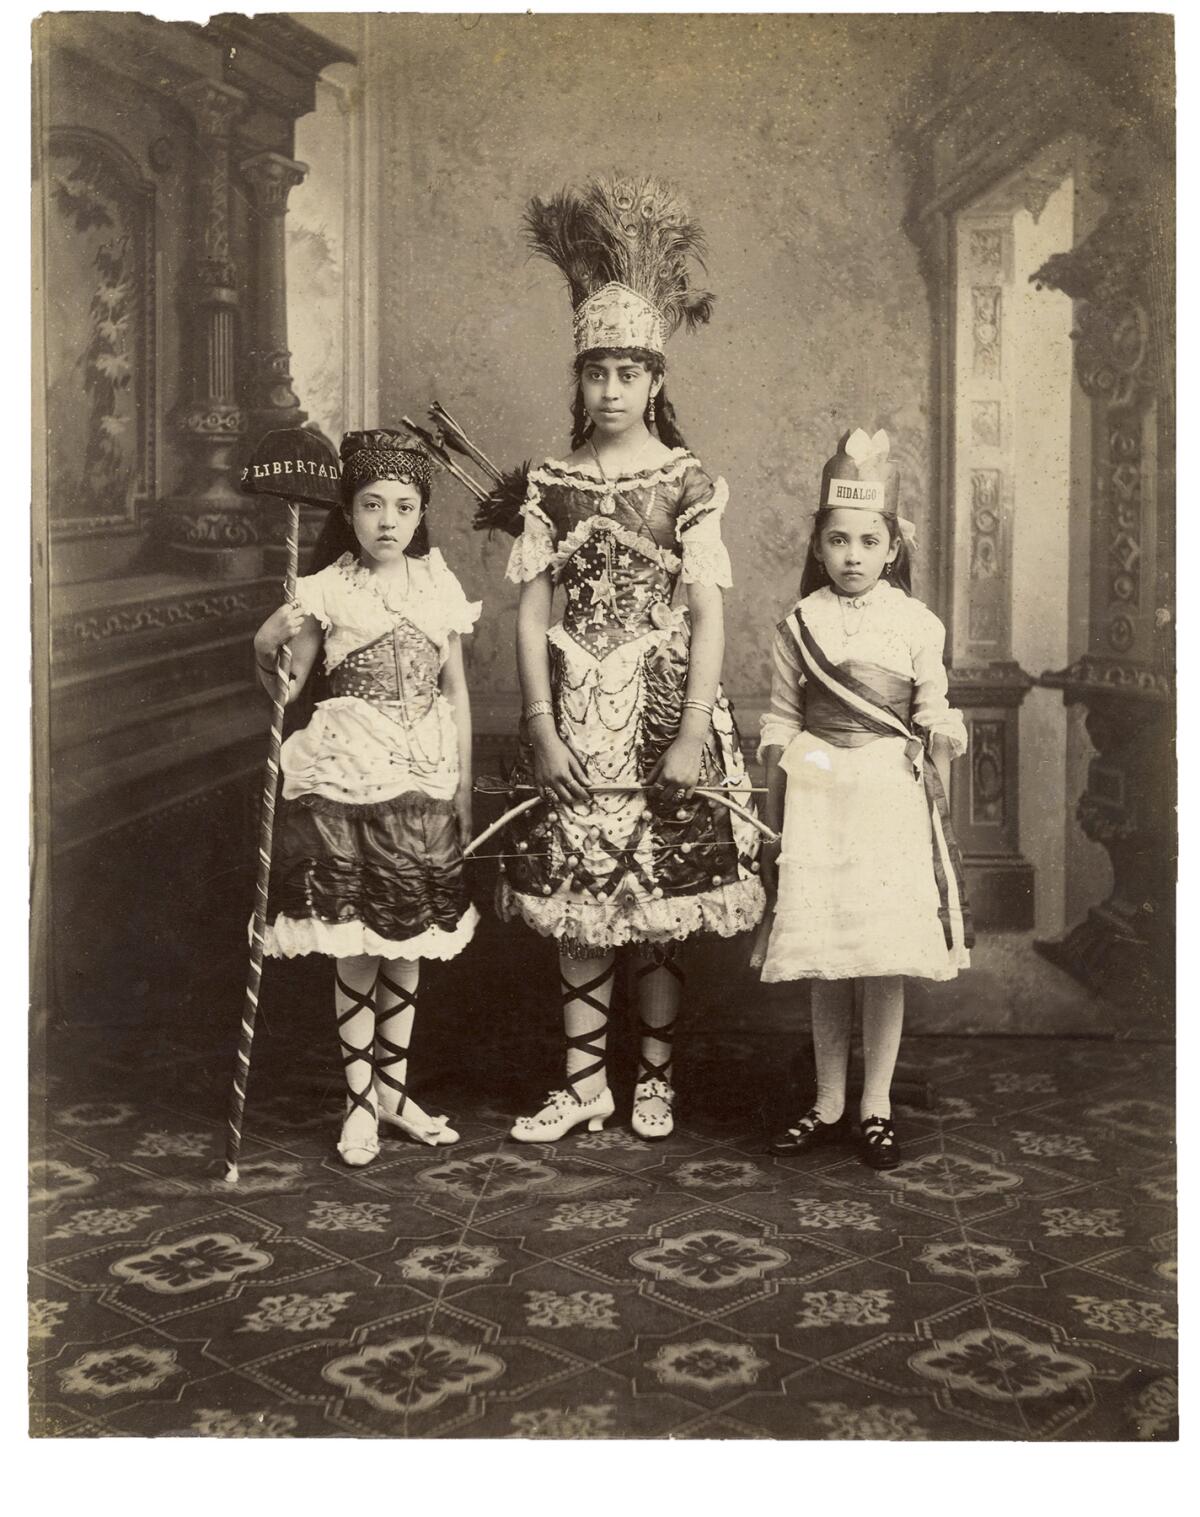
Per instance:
{"type": "Point", "coordinates": [784, 717]}
{"type": "Point", "coordinates": [311, 592]}
{"type": "Point", "coordinates": [705, 556]}
{"type": "Point", "coordinates": [455, 611]}
{"type": "Point", "coordinates": [533, 551]}
{"type": "Point", "coordinates": [932, 709]}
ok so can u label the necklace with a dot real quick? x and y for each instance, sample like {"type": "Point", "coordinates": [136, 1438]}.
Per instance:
{"type": "Point", "coordinates": [608, 501]}
{"type": "Point", "coordinates": [853, 610]}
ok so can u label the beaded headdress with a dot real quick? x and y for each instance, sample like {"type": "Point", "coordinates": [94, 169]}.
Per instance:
{"type": "Point", "coordinates": [380, 454]}
{"type": "Point", "coordinates": [861, 476]}
{"type": "Point", "coordinates": [623, 243]}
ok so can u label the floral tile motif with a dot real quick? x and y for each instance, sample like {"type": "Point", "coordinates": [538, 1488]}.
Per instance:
{"type": "Point", "coordinates": [970, 1261]}
{"type": "Point", "coordinates": [705, 1364]}
{"type": "Point", "coordinates": [95, 1114]}
{"type": "Point", "coordinates": [413, 1374]}
{"type": "Point", "coordinates": [110, 1372]}
{"type": "Point", "coordinates": [880, 1424]}
{"type": "Point", "coordinates": [597, 1419]}
{"type": "Point", "coordinates": [103, 1222]}
{"type": "Point", "coordinates": [296, 1312]}
{"type": "Point", "coordinates": [592, 1216]}
{"type": "Point", "coordinates": [952, 1177]}
{"type": "Point", "coordinates": [1000, 1365]}
{"type": "Point", "coordinates": [837, 1308]}
{"type": "Point", "coordinates": [442, 1263]}
{"type": "Point", "coordinates": [264, 1177]}
{"type": "Point", "coordinates": [45, 1317]}
{"type": "Point", "coordinates": [1155, 1412]}
{"type": "Point", "coordinates": [612, 1141]}
{"type": "Point", "coordinates": [210, 1423]}
{"type": "Point", "coordinates": [1125, 1316]}
{"type": "Point", "coordinates": [1161, 1188]}
{"type": "Point", "coordinates": [1043, 1145]}
{"type": "Point", "coordinates": [833, 1216]}
{"type": "Point", "coordinates": [710, 1260]}
{"type": "Point", "coordinates": [720, 1174]}
{"type": "Point", "coordinates": [51, 1180]}
{"type": "Point", "coordinates": [178, 1145]}
{"type": "Point", "coordinates": [588, 1309]}
{"type": "Point", "coordinates": [348, 1216]}
{"type": "Point", "coordinates": [1082, 1222]}
{"type": "Point", "coordinates": [192, 1264]}
{"type": "Point", "coordinates": [496, 1174]}
{"type": "Point", "coordinates": [1138, 1118]}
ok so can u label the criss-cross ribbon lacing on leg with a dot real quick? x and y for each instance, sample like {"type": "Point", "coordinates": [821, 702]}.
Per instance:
{"type": "Point", "coordinates": [649, 1119]}
{"type": "Point", "coordinates": [565, 1109]}
{"type": "Point", "coordinates": [356, 1153]}
{"type": "Point", "coordinates": [419, 1126]}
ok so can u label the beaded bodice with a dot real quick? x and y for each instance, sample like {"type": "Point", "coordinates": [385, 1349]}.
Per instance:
{"type": "Point", "coordinates": [614, 590]}
{"type": "Point", "coordinates": [401, 666]}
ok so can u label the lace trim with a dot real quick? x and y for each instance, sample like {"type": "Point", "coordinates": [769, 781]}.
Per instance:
{"type": "Point", "coordinates": [571, 474]}
{"type": "Point", "coordinates": [579, 534]}
{"type": "Point", "coordinates": [947, 724]}
{"type": "Point", "coordinates": [436, 604]}
{"type": "Point", "coordinates": [726, 911]}
{"type": "Point", "coordinates": [707, 564]}
{"type": "Point", "coordinates": [717, 502]}
{"type": "Point", "coordinates": [288, 937]}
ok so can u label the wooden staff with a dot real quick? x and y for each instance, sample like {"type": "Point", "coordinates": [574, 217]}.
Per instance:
{"type": "Point", "coordinates": [266, 834]}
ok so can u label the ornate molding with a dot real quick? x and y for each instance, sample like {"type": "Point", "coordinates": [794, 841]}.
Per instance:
{"type": "Point", "coordinates": [989, 685]}
{"type": "Point", "coordinates": [273, 177]}
{"type": "Point", "coordinates": [1091, 676]}
{"type": "Point", "coordinates": [123, 621]}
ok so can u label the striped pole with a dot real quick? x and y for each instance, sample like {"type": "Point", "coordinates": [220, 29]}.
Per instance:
{"type": "Point", "coordinates": [266, 832]}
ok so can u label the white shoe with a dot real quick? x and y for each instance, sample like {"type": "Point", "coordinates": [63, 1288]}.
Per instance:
{"type": "Point", "coordinates": [418, 1125]}
{"type": "Point", "coordinates": [652, 1103]}
{"type": "Point", "coordinates": [358, 1152]}
{"type": "Point", "coordinates": [560, 1114]}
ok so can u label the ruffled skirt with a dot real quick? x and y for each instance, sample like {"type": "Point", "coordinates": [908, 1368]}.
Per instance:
{"type": "Point", "coordinates": [382, 878]}
{"type": "Point", "coordinates": [857, 891]}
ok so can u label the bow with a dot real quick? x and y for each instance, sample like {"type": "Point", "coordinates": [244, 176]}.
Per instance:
{"type": "Point", "coordinates": [713, 792]}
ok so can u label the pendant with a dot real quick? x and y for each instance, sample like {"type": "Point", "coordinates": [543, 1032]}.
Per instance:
{"type": "Point", "coordinates": [660, 615]}
{"type": "Point", "coordinates": [608, 503]}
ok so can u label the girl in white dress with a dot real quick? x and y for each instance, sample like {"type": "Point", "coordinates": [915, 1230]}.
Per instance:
{"type": "Point", "coordinates": [858, 743]}
{"type": "Point", "coordinates": [375, 809]}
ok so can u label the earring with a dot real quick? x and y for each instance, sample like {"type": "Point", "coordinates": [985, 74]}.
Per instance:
{"type": "Point", "coordinates": [887, 571]}
{"type": "Point", "coordinates": [650, 411]}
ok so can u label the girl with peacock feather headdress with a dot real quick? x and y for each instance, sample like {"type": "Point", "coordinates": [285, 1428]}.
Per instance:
{"type": "Point", "coordinates": [623, 711]}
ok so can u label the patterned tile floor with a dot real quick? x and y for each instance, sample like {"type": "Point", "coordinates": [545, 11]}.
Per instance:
{"type": "Point", "coordinates": [1014, 1279]}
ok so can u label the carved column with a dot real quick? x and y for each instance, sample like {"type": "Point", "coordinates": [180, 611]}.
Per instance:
{"type": "Point", "coordinates": [1121, 278]}
{"type": "Point", "coordinates": [210, 527]}
{"type": "Point", "coordinates": [273, 401]}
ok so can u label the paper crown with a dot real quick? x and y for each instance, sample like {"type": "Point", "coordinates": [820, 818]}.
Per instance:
{"type": "Point", "coordinates": [618, 317]}
{"type": "Point", "coordinates": [861, 476]}
{"type": "Point", "coordinates": [624, 244]}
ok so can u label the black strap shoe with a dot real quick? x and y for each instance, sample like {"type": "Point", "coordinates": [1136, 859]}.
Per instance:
{"type": "Point", "coordinates": [806, 1132]}
{"type": "Point", "coordinates": [877, 1145]}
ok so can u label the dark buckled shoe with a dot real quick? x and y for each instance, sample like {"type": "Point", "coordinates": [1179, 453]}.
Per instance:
{"type": "Point", "coordinates": [877, 1144]}
{"type": "Point", "coordinates": [806, 1132]}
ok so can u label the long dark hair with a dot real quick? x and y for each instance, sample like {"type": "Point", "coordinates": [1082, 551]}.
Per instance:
{"type": "Point", "coordinates": [337, 535]}
{"type": "Point", "coordinates": [815, 574]}
{"type": "Point", "coordinates": [664, 412]}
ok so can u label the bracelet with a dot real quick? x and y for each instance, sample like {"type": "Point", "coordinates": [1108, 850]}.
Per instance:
{"type": "Point", "coordinates": [537, 708]}
{"type": "Point", "coordinates": [699, 706]}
